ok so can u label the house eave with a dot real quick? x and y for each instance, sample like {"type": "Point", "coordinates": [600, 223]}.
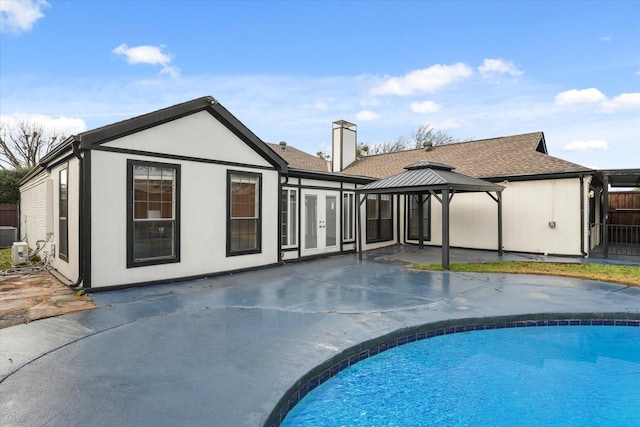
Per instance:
{"type": "Point", "coordinates": [329, 176]}
{"type": "Point", "coordinates": [539, 176]}
{"type": "Point", "coordinates": [165, 115]}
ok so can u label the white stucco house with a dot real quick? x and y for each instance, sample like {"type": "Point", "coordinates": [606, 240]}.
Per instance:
{"type": "Point", "coordinates": [189, 191]}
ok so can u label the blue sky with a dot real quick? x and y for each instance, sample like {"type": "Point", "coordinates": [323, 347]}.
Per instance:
{"type": "Point", "coordinates": [287, 70]}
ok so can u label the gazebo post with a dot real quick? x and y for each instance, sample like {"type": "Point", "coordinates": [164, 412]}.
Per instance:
{"type": "Point", "coordinates": [605, 212]}
{"type": "Point", "coordinates": [499, 194]}
{"type": "Point", "coordinates": [420, 221]}
{"type": "Point", "coordinates": [359, 225]}
{"type": "Point", "coordinates": [445, 229]}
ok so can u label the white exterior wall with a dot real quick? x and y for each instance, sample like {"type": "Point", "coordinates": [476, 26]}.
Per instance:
{"type": "Point", "coordinates": [527, 209]}
{"type": "Point", "coordinates": [71, 267]}
{"type": "Point", "coordinates": [33, 210]}
{"type": "Point", "coordinates": [199, 135]}
{"type": "Point", "coordinates": [529, 206]}
{"type": "Point", "coordinates": [203, 204]}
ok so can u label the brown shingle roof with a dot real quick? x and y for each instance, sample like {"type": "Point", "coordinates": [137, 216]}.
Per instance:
{"type": "Point", "coordinates": [488, 158]}
{"type": "Point", "coordinates": [299, 159]}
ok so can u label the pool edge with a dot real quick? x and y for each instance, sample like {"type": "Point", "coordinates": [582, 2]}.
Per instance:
{"type": "Point", "coordinates": [361, 351]}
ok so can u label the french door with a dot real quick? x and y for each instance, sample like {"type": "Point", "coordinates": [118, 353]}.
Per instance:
{"type": "Point", "coordinates": [319, 222]}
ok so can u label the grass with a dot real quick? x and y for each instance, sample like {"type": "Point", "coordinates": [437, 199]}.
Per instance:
{"type": "Point", "coordinates": [623, 274]}
{"type": "Point", "coordinates": [6, 260]}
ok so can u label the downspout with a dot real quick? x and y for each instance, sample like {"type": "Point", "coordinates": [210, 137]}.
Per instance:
{"type": "Point", "coordinates": [78, 284]}
{"type": "Point", "coordinates": [584, 253]}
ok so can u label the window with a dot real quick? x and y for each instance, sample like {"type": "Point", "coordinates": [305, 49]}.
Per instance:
{"type": "Point", "coordinates": [244, 220]}
{"type": "Point", "coordinates": [153, 213]}
{"type": "Point", "coordinates": [379, 218]}
{"type": "Point", "coordinates": [348, 217]}
{"type": "Point", "coordinates": [413, 231]}
{"type": "Point", "coordinates": [63, 215]}
{"type": "Point", "coordinates": [289, 217]}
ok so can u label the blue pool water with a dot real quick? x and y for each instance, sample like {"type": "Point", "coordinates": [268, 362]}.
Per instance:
{"type": "Point", "coordinates": [552, 376]}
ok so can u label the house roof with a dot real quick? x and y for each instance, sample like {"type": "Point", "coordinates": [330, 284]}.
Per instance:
{"type": "Point", "coordinates": [87, 140]}
{"type": "Point", "coordinates": [426, 176]}
{"type": "Point", "coordinates": [299, 159]}
{"type": "Point", "coordinates": [503, 157]}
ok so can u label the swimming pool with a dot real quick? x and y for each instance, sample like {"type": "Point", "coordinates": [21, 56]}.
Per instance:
{"type": "Point", "coordinates": [565, 375]}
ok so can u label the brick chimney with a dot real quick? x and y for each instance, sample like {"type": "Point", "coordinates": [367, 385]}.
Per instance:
{"type": "Point", "coordinates": [344, 143]}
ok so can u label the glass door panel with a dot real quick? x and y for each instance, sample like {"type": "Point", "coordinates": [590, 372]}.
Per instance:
{"type": "Point", "coordinates": [331, 223]}
{"type": "Point", "coordinates": [311, 221]}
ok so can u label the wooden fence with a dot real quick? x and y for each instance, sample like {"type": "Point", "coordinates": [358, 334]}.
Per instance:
{"type": "Point", "coordinates": [624, 212]}
{"type": "Point", "coordinates": [8, 215]}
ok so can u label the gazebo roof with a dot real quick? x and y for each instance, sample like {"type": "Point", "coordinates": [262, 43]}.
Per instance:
{"type": "Point", "coordinates": [425, 176]}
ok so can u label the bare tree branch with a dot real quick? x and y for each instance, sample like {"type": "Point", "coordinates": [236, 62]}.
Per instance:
{"type": "Point", "coordinates": [22, 146]}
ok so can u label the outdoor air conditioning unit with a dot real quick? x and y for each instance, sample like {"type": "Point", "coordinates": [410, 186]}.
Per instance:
{"type": "Point", "coordinates": [19, 253]}
{"type": "Point", "coordinates": [8, 235]}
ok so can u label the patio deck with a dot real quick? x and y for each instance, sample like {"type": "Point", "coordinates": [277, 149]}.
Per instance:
{"type": "Point", "coordinates": [223, 351]}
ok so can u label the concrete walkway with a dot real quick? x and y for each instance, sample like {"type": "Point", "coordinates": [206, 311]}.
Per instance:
{"type": "Point", "coordinates": [223, 351]}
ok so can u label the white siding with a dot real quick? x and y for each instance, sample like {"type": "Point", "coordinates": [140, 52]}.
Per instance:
{"type": "Point", "coordinates": [70, 267]}
{"type": "Point", "coordinates": [203, 222]}
{"type": "Point", "coordinates": [527, 209]}
{"type": "Point", "coordinates": [33, 210]}
{"type": "Point", "coordinates": [199, 135]}
{"type": "Point", "coordinates": [319, 183]}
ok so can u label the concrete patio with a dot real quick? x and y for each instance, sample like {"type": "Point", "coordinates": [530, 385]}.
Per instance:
{"type": "Point", "coordinates": [223, 351]}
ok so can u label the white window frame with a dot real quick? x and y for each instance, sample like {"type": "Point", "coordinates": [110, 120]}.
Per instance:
{"type": "Point", "coordinates": [348, 216]}
{"type": "Point", "coordinates": [290, 240]}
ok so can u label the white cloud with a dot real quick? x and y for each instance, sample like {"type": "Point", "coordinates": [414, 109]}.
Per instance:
{"type": "Point", "coordinates": [582, 96]}
{"type": "Point", "coordinates": [18, 16]}
{"type": "Point", "coordinates": [366, 115]}
{"type": "Point", "coordinates": [60, 126]}
{"type": "Point", "coordinates": [427, 80]}
{"type": "Point", "coordinates": [322, 106]}
{"type": "Point", "coordinates": [624, 101]}
{"type": "Point", "coordinates": [425, 107]}
{"type": "Point", "coordinates": [606, 38]}
{"type": "Point", "coordinates": [593, 145]}
{"type": "Point", "coordinates": [447, 124]}
{"type": "Point", "coordinates": [145, 54]}
{"type": "Point", "coordinates": [497, 67]}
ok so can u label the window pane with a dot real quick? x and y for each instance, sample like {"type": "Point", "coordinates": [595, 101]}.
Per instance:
{"type": "Point", "coordinates": [386, 229]}
{"type": "Point", "coordinates": [244, 215]}
{"type": "Point", "coordinates": [284, 230]}
{"type": "Point", "coordinates": [294, 215]}
{"type": "Point", "coordinates": [372, 206]}
{"type": "Point", "coordinates": [153, 213]}
{"type": "Point", "coordinates": [153, 239]}
{"type": "Point", "coordinates": [372, 229]}
{"type": "Point", "coordinates": [347, 217]}
{"type": "Point", "coordinates": [311, 232]}
{"type": "Point", "coordinates": [385, 206]}
{"type": "Point", "coordinates": [244, 233]}
{"type": "Point", "coordinates": [331, 220]}
{"type": "Point", "coordinates": [154, 190]}
{"type": "Point", "coordinates": [244, 200]}
{"type": "Point", "coordinates": [414, 232]}
{"type": "Point", "coordinates": [63, 210]}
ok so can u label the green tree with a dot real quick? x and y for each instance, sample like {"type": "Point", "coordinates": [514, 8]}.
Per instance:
{"type": "Point", "coordinates": [8, 189]}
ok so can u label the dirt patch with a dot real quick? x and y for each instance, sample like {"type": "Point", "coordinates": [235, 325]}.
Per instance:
{"type": "Point", "coordinates": [28, 297]}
